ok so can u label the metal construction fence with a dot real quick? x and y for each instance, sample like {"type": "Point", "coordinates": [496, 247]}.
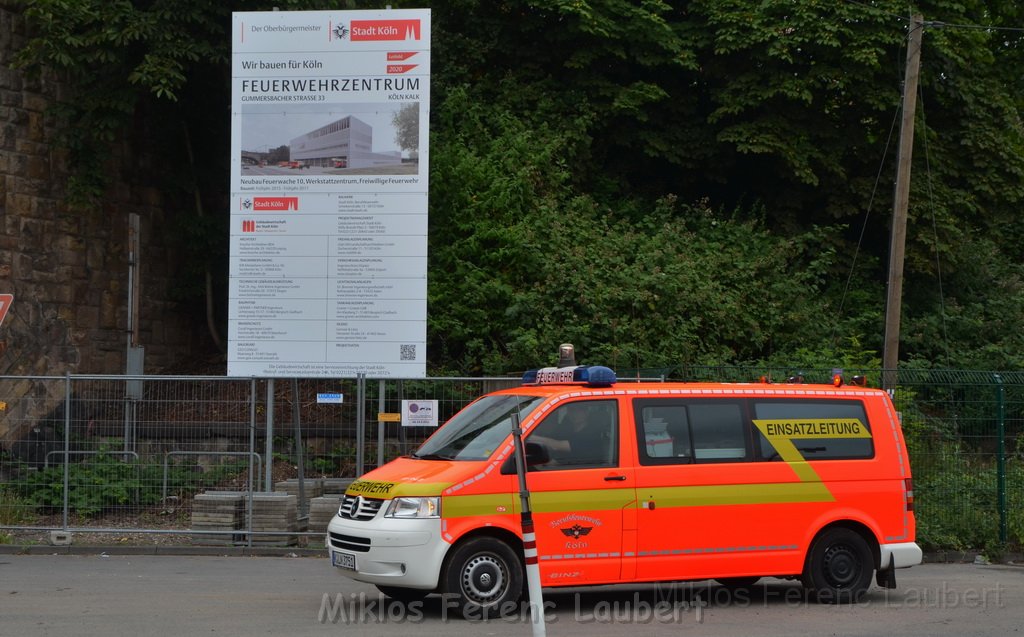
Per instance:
{"type": "Point", "coordinates": [200, 457]}
{"type": "Point", "coordinates": [241, 461]}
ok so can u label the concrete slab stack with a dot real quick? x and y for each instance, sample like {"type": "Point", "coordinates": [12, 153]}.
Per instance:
{"type": "Point", "coordinates": [218, 511]}
{"type": "Point", "coordinates": [337, 486]}
{"type": "Point", "coordinates": [321, 510]}
{"type": "Point", "coordinates": [275, 512]}
{"type": "Point", "coordinates": [314, 488]}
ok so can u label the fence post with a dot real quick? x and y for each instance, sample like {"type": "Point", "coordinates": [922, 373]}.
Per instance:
{"type": "Point", "coordinates": [360, 424]}
{"type": "Point", "coordinates": [67, 446]}
{"type": "Point", "coordinates": [1001, 455]}
{"type": "Point", "coordinates": [400, 395]}
{"type": "Point", "coordinates": [268, 482]}
{"type": "Point", "coordinates": [380, 423]}
{"type": "Point", "coordinates": [300, 450]}
{"type": "Point", "coordinates": [253, 477]}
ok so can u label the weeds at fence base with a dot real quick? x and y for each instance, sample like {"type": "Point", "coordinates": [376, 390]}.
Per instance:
{"type": "Point", "coordinates": [166, 522]}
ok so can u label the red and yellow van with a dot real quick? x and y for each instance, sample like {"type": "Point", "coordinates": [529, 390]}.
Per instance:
{"type": "Point", "coordinates": [640, 482]}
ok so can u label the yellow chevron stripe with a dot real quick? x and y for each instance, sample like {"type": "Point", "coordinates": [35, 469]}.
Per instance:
{"type": "Point", "coordinates": [719, 494]}
{"type": "Point", "coordinates": [614, 499]}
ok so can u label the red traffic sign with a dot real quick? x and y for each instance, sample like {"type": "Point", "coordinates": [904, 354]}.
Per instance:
{"type": "Point", "coordinates": [5, 304]}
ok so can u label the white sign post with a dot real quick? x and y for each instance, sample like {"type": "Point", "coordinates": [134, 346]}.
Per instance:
{"type": "Point", "coordinates": [328, 272]}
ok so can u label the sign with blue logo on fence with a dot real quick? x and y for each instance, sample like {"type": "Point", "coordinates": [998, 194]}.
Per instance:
{"type": "Point", "coordinates": [419, 413]}
{"type": "Point", "coordinates": [330, 398]}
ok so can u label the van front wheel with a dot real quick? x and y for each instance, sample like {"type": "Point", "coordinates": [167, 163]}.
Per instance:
{"type": "Point", "coordinates": [839, 568]}
{"type": "Point", "coordinates": [483, 575]}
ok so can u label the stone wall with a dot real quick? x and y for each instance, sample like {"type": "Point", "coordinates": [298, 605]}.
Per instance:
{"type": "Point", "coordinates": [68, 271]}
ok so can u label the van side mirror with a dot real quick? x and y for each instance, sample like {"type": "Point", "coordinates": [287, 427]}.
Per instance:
{"type": "Point", "coordinates": [536, 455]}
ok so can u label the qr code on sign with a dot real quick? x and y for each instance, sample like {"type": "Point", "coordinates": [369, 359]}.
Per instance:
{"type": "Point", "coordinates": [407, 352]}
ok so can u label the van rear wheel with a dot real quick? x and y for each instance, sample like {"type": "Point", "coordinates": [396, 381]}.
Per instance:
{"type": "Point", "coordinates": [483, 574]}
{"type": "Point", "coordinates": [839, 567]}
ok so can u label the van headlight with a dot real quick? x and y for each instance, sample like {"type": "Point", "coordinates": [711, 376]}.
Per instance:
{"type": "Point", "coordinates": [414, 508]}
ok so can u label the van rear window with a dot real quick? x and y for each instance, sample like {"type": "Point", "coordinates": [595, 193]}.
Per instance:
{"type": "Point", "coordinates": [674, 431]}
{"type": "Point", "coordinates": [827, 429]}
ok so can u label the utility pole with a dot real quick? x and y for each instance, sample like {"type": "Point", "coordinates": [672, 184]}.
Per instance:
{"type": "Point", "coordinates": [901, 201]}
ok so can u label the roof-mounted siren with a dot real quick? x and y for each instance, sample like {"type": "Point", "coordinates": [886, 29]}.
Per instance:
{"type": "Point", "coordinates": [566, 355]}
{"type": "Point", "coordinates": [837, 377]}
{"type": "Point", "coordinates": [568, 372]}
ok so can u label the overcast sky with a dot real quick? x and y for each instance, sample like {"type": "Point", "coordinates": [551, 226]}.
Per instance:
{"type": "Point", "coordinates": [267, 126]}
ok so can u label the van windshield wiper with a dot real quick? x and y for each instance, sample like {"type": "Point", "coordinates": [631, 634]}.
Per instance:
{"type": "Point", "coordinates": [430, 456]}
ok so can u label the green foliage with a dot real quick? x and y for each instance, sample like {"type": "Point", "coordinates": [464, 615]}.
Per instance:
{"type": "Point", "coordinates": [980, 315]}
{"type": "Point", "coordinates": [847, 354]}
{"type": "Point", "coordinates": [14, 511]}
{"type": "Point", "coordinates": [664, 184]}
{"type": "Point", "coordinates": [92, 486]}
{"type": "Point", "coordinates": [787, 104]}
{"type": "Point", "coordinates": [106, 53]}
{"type": "Point", "coordinates": [323, 465]}
{"type": "Point", "coordinates": [520, 261]}
{"type": "Point", "coordinates": [955, 501]}
{"type": "Point", "coordinates": [114, 57]}
{"type": "Point", "coordinates": [105, 481]}
{"type": "Point", "coordinates": [956, 479]}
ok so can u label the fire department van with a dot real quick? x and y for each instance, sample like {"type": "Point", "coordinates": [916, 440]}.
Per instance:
{"type": "Point", "coordinates": [640, 482]}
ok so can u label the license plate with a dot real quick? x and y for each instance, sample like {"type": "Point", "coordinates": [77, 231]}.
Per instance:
{"type": "Point", "coordinates": [344, 560]}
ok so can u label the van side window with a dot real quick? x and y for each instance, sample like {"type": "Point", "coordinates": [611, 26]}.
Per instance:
{"type": "Point", "coordinates": [665, 434]}
{"type": "Point", "coordinates": [680, 432]}
{"type": "Point", "coordinates": [578, 435]}
{"type": "Point", "coordinates": [826, 420]}
{"type": "Point", "coordinates": [718, 430]}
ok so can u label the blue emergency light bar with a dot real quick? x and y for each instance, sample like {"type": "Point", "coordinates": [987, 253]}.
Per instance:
{"type": "Point", "coordinates": [592, 375]}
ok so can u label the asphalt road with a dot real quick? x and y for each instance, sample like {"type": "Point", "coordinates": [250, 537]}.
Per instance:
{"type": "Point", "coordinates": [191, 595]}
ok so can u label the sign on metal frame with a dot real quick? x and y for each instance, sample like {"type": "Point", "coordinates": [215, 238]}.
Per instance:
{"type": "Point", "coordinates": [329, 165]}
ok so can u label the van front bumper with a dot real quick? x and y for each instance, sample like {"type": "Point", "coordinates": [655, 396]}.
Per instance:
{"type": "Point", "coordinates": [388, 551]}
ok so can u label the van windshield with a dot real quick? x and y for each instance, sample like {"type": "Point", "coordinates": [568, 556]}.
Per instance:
{"type": "Point", "coordinates": [476, 431]}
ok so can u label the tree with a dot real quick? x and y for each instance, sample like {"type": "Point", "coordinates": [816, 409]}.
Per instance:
{"type": "Point", "coordinates": [520, 260]}
{"type": "Point", "coordinates": [407, 127]}
{"type": "Point", "coordinates": [780, 106]}
{"type": "Point", "coordinates": [162, 62]}
{"type": "Point", "coordinates": [767, 123]}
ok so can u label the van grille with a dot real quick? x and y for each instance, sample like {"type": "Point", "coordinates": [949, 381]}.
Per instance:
{"type": "Point", "coordinates": [350, 543]}
{"type": "Point", "coordinates": [356, 507]}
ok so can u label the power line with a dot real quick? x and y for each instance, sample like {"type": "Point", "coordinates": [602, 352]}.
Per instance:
{"type": "Point", "coordinates": [864, 226]}
{"type": "Point", "coordinates": [937, 23]}
{"type": "Point", "coordinates": [980, 27]}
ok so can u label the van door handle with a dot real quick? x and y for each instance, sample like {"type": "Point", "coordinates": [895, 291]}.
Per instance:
{"type": "Point", "coordinates": [615, 478]}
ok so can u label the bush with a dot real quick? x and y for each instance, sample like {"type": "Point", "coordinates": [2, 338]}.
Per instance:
{"type": "Point", "coordinates": [14, 511]}
{"type": "Point", "coordinates": [104, 481]}
{"type": "Point", "coordinates": [956, 495]}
